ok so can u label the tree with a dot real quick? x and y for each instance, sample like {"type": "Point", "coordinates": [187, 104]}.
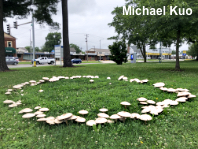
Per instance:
{"type": "Point", "coordinates": [21, 9]}
{"type": "Point", "coordinates": [51, 40]}
{"type": "Point", "coordinates": [37, 49]}
{"type": "Point", "coordinates": [118, 52]}
{"type": "Point", "coordinates": [28, 48]}
{"type": "Point", "coordinates": [66, 48]}
{"type": "Point", "coordinates": [77, 48]}
{"type": "Point", "coordinates": [193, 50]}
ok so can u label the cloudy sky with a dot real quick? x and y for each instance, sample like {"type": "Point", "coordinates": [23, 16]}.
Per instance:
{"type": "Point", "coordinates": [85, 17]}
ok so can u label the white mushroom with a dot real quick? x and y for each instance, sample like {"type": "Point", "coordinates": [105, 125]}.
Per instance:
{"type": "Point", "coordinates": [160, 84]}
{"type": "Point", "coordinates": [8, 101]}
{"type": "Point", "coordinates": [37, 107]}
{"type": "Point", "coordinates": [100, 120]}
{"type": "Point", "coordinates": [41, 115]}
{"type": "Point", "coordinates": [40, 90]}
{"type": "Point", "coordinates": [38, 112]}
{"type": "Point", "coordinates": [125, 103]}
{"type": "Point", "coordinates": [108, 78]}
{"type": "Point", "coordinates": [8, 93]}
{"type": "Point", "coordinates": [191, 96]}
{"type": "Point", "coordinates": [44, 109]}
{"type": "Point", "coordinates": [26, 110]}
{"type": "Point", "coordinates": [80, 120]}
{"type": "Point", "coordinates": [83, 112]}
{"type": "Point", "coordinates": [91, 81]}
{"type": "Point", "coordinates": [145, 117]}
{"type": "Point", "coordinates": [45, 78]}
{"type": "Point", "coordinates": [103, 110]}
{"type": "Point", "coordinates": [9, 90]}
{"type": "Point", "coordinates": [28, 115]}
{"type": "Point", "coordinates": [90, 123]}
{"type": "Point", "coordinates": [57, 121]}
{"type": "Point", "coordinates": [150, 101]}
{"type": "Point", "coordinates": [124, 114]}
{"type": "Point", "coordinates": [135, 115]}
{"type": "Point", "coordinates": [120, 78]}
{"type": "Point", "coordinates": [142, 99]}
{"type": "Point", "coordinates": [115, 117]}
{"type": "Point", "coordinates": [104, 115]}
{"type": "Point", "coordinates": [42, 119]}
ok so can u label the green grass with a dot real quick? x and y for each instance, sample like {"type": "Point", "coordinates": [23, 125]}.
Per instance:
{"type": "Point", "coordinates": [25, 63]}
{"type": "Point", "coordinates": [90, 61]}
{"type": "Point", "coordinates": [175, 127]}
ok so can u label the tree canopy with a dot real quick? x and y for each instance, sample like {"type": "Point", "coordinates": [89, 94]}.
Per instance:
{"type": "Point", "coordinates": [193, 50]}
{"type": "Point", "coordinates": [76, 47]}
{"type": "Point", "coordinates": [51, 40]}
{"type": "Point", "coordinates": [37, 49]}
{"type": "Point", "coordinates": [43, 10]}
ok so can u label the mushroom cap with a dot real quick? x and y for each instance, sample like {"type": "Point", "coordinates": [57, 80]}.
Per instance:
{"type": "Point", "coordinates": [65, 116]}
{"type": "Point", "coordinates": [115, 116]}
{"type": "Point", "coordinates": [37, 107]}
{"type": "Point", "coordinates": [66, 77]}
{"type": "Point", "coordinates": [45, 78]}
{"type": "Point", "coordinates": [125, 78]}
{"type": "Point", "coordinates": [43, 109]}
{"type": "Point", "coordinates": [9, 90]}
{"type": "Point", "coordinates": [163, 88]}
{"type": "Point", "coordinates": [142, 99]}
{"type": "Point", "coordinates": [182, 90]}
{"type": "Point", "coordinates": [108, 78]}
{"type": "Point", "coordinates": [174, 103]}
{"type": "Point", "coordinates": [90, 123]}
{"type": "Point", "coordinates": [91, 81]}
{"type": "Point", "coordinates": [104, 115]}
{"type": "Point", "coordinates": [135, 115]}
{"type": "Point", "coordinates": [8, 93]}
{"type": "Point", "coordinates": [42, 119]}
{"type": "Point", "coordinates": [183, 94]}
{"type": "Point", "coordinates": [96, 76]}
{"type": "Point", "coordinates": [57, 121]}
{"type": "Point", "coordinates": [159, 84]}
{"type": "Point", "coordinates": [124, 114]}
{"type": "Point", "coordinates": [103, 110]}
{"type": "Point", "coordinates": [50, 121]}
{"type": "Point", "coordinates": [41, 81]}
{"type": "Point", "coordinates": [143, 103]}
{"type": "Point", "coordinates": [171, 90]}
{"type": "Point", "coordinates": [17, 86]}
{"type": "Point", "coordinates": [181, 99]}
{"type": "Point", "coordinates": [145, 117]}
{"type": "Point", "coordinates": [146, 110]}
{"type": "Point", "coordinates": [41, 115]}
{"type": "Point", "coordinates": [110, 121]}
{"type": "Point", "coordinates": [121, 77]}
{"type": "Point", "coordinates": [125, 103]}
{"type": "Point", "coordinates": [100, 120]}
{"type": "Point", "coordinates": [38, 112]}
{"type": "Point", "coordinates": [160, 103]}
{"type": "Point", "coordinates": [83, 112]}
{"type": "Point", "coordinates": [145, 81]}
{"type": "Point", "coordinates": [13, 105]}
{"type": "Point", "coordinates": [73, 117]}
{"type": "Point", "coordinates": [80, 119]}
{"type": "Point", "coordinates": [32, 81]}
{"type": "Point", "coordinates": [150, 101]}
{"type": "Point", "coordinates": [26, 110]}
{"type": "Point", "coordinates": [131, 80]}
{"type": "Point", "coordinates": [8, 101]}
{"type": "Point", "coordinates": [28, 115]}
{"type": "Point", "coordinates": [191, 96]}
{"type": "Point", "coordinates": [40, 90]}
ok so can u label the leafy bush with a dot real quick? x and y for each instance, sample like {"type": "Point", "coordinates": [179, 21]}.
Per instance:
{"type": "Point", "coordinates": [118, 52]}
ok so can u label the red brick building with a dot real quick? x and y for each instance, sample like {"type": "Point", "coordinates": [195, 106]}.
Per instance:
{"type": "Point", "coordinates": [10, 45]}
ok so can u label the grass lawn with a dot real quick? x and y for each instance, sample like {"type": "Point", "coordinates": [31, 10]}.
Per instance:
{"type": "Point", "coordinates": [91, 62]}
{"type": "Point", "coordinates": [175, 127]}
{"type": "Point", "coordinates": [25, 63]}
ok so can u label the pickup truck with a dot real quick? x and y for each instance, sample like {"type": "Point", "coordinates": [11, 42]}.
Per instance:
{"type": "Point", "coordinates": [43, 60]}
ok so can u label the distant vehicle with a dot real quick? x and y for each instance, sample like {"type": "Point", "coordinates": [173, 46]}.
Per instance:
{"type": "Point", "coordinates": [16, 58]}
{"type": "Point", "coordinates": [44, 60]}
{"type": "Point", "coordinates": [77, 61]}
{"type": "Point", "coordinates": [11, 61]}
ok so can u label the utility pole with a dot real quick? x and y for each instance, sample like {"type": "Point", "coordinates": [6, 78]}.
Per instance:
{"type": "Point", "coordinates": [30, 42]}
{"type": "Point", "coordinates": [33, 35]}
{"type": "Point", "coordinates": [87, 44]}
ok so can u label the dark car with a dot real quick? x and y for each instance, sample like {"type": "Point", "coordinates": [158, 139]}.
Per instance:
{"type": "Point", "coordinates": [11, 61]}
{"type": "Point", "coordinates": [77, 61]}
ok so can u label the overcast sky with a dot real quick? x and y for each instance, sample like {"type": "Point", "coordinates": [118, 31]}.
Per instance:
{"type": "Point", "coordinates": [85, 17]}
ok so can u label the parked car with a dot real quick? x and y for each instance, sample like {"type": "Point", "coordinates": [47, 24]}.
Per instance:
{"type": "Point", "coordinates": [43, 60]}
{"type": "Point", "coordinates": [11, 61]}
{"type": "Point", "coordinates": [16, 58]}
{"type": "Point", "coordinates": [77, 61]}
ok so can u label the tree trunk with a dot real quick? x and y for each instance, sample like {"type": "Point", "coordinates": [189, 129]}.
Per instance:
{"type": "Point", "coordinates": [144, 52]}
{"type": "Point", "coordinates": [66, 48]}
{"type": "Point", "coordinates": [177, 66]}
{"type": "Point", "coordinates": [3, 65]}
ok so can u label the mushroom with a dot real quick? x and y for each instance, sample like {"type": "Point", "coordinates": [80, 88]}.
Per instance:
{"type": "Point", "coordinates": [124, 115]}
{"type": "Point", "coordinates": [181, 99]}
{"type": "Point", "coordinates": [8, 93]}
{"type": "Point", "coordinates": [37, 107]}
{"type": "Point", "coordinates": [40, 90]}
{"type": "Point", "coordinates": [120, 78]}
{"type": "Point", "coordinates": [100, 120]}
{"type": "Point", "coordinates": [150, 102]}
{"type": "Point", "coordinates": [73, 117]}
{"type": "Point", "coordinates": [17, 86]}
{"type": "Point", "coordinates": [57, 121]}
{"type": "Point", "coordinates": [26, 110]}
{"type": "Point", "coordinates": [191, 96]}
{"type": "Point", "coordinates": [108, 78]}
{"type": "Point", "coordinates": [41, 115]}
{"type": "Point", "coordinates": [45, 78]}
{"type": "Point", "coordinates": [96, 76]}
{"type": "Point", "coordinates": [8, 101]}
{"type": "Point", "coordinates": [110, 121]}
{"type": "Point", "coordinates": [9, 90]}
{"type": "Point", "coordinates": [80, 120]}
{"type": "Point", "coordinates": [160, 103]}
{"type": "Point", "coordinates": [42, 119]}
{"type": "Point", "coordinates": [50, 121]}
{"type": "Point", "coordinates": [32, 81]}
{"type": "Point", "coordinates": [131, 80]}
{"type": "Point", "coordinates": [145, 81]}
{"type": "Point", "coordinates": [38, 112]}
{"type": "Point", "coordinates": [145, 117]}
{"type": "Point", "coordinates": [90, 123]}
{"type": "Point", "coordinates": [115, 117]}
{"type": "Point", "coordinates": [183, 94]}
{"type": "Point", "coordinates": [143, 103]}
{"type": "Point", "coordinates": [41, 81]}
{"type": "Point", "coordinates": [135, 115]}
{"type": "Point", "coordinates": [13, 105]}
{"type": "Point", "coordinates": [28, 115]}
{"type": "Point", "coordinates": [125, 78]}
{"type": "Point", "coordinates": [146, 110]}
{"type": "Point", "coordinates": [65, 117]}
{"type": "Point", "coordinates": [43, 109]}
{"type": "Point", "coordinates": [182, 90]}
{"type": "Point", "coordinates": [83, 112]}
{"type": "Point", "coordinates": [174, 103]}
{"type": "Point", "coordinates": [163, 89]}
{"type": "Point", "coordinates": [142, 99]}
{"type": "Point", "coordinates": [103, 110]}
{"type": "Point", "coordinates": [160, 84]}
{"type": "Point", "coordinates": [104, 115]}
{"type": "Point", "coordinates": [66, 77]}
{"type": "Point", "coordinates": [125, 103]}
{"type": "Point", "coordinates": [91, 81]}
{"type": "Point", "coordinates": [171, 90]}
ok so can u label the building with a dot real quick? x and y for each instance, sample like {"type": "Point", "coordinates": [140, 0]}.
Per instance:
{"type": "Point", "coordinates": [97, 54]}
{"type": "Point", "coordinates": [20, 52]}
{"type": "Point", "coordinates": [10, 45]}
